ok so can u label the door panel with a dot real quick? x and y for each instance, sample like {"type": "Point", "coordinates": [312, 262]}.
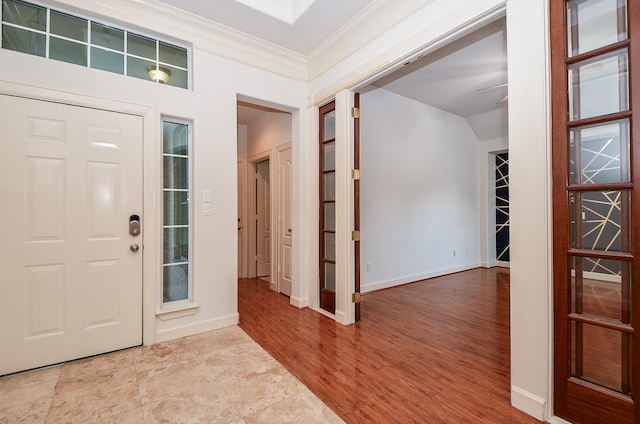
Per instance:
{"type": "Point", "coordinates": [327, 207]}
{"type": "Point", "coordinates": [263, 219]}
{"type": "Point", "coordinates": [596, 166]}
{"type": "Point", "coordinates": [70, 178]}
{"type": "Point", "coordinates": [285, 222]}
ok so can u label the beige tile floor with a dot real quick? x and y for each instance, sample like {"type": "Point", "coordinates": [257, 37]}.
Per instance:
{"type": "Point", "coordinates": [218, 377]}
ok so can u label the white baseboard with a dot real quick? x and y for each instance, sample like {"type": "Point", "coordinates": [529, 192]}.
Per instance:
{"type": "Point", "coordinates": [197, 328]}
{"type": "Point", "coordinates": [556, 420]}
{"type": "Point", "coordinates": [366, 288]}
{"type": "Point", "coordinates": [492, 264]}
{"type": "Point", "coordinates": [299, 302]}
{"type": "Point", "coordinates": [528, 403]}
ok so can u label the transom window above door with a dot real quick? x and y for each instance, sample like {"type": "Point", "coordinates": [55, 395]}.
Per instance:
{"type": "Point", "coordinates": [41, 31]}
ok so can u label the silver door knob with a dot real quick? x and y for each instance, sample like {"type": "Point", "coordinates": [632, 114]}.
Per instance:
{"type": "Point", "coordinates": [134, 247]}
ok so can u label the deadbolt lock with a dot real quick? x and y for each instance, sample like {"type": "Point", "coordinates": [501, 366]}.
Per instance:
{"type": "Point", "coordinates": [134, 225]}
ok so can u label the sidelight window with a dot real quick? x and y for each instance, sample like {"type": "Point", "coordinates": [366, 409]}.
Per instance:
{"type": "Point", "coordinates": [176, 228]}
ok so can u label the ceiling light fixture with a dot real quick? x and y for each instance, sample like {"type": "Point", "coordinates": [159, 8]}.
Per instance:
{"type": "Point", "coordinates": [159, 74]}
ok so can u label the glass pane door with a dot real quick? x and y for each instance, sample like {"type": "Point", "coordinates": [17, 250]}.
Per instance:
{"type": "Point", "coordinates": [594, 203]}
{"type": "Point", "coordinates": [328, 207]}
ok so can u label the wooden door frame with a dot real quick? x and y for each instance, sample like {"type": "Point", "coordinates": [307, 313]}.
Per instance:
{"type": "Point", "coordinates": [151, 186]}
{"type": "Point", "coordinates": [574, 397]}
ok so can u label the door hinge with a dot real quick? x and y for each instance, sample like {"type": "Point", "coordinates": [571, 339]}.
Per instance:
{"type": "Point", "coordinates": [355, 298]}
{"type": "Point", "coordinates": [355, 112]}
{"type": "Point", "coordinates": [355, 235]}
{"type": "Point", "coordinates": [355, 174]}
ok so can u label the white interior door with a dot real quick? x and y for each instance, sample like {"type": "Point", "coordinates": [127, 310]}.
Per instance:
{"type": "Point", "coordinates": [285, 230]}
{"type": "Point", "coordinates": [71, 284]}
{"type": "Point", "coordinates": [263, 219]}
{"type": "Point", "coordinates": [241, 248]}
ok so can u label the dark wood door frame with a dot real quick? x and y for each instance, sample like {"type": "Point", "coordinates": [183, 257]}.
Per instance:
{"type": "Point", "coordinates": [577, 397]}
{"type": "Point", "coordinates": [356, 200]}
{"type": "Point", "coordinates": [327, 299]}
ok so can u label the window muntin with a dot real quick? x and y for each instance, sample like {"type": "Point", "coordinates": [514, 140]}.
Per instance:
{"type": "Point", "coordinates": [176, 228]}
{"type": "Point", "coordinates": [37, 30]}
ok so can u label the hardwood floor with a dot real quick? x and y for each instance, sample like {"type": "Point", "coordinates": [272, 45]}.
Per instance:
{"type": "Point", "coordinates": [435, 351]}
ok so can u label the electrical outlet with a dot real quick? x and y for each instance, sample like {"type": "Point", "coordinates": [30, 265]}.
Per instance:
{"type": "Point", "coordinates": [369, 266]}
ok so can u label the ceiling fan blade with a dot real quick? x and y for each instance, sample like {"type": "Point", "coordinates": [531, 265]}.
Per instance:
{"type": "Point", "coordinates": [505, 99]}
{"type": "Point", "coordinates": [493, 87]}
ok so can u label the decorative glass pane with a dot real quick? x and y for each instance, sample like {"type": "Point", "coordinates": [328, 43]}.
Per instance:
{"type": "Point", "coordinates": [176, 245]}
{"type": "Point", "coordinates": [600, 351]}
{"type": "Point", "coordinates": [175, 283]}
{"type": "Point", "coordinates": [329, 186]}
{"type": "Point", "coordinates": [603, 153]}
{"type": "Point", "coordinates": [172, 55]}
{"type": "Point", "coordinates": [175, 138]}
{"type": "Point", "coordinates": [107, 37]}
{"type": "Point", "coordinates": [597, 288]}
{"type": "Point", "coordinates": [141, 46]}
{"type": "Point", "coordinates": [600, 224]}
{"type": "Point", "coordinates": [68, 26]}
{"type": "Point", "coordinates": [107, 61]}
{"type": "Point", "coordinates": [329, 216]}
{"type": "Point", "coordinates": [68, 51]}
{"type": "Point", "coordinates": [330, 125]}
{"type": "Point", "coordinates": [139, 68]}
{"type": "Point", "coordinates": [330, 246]}
{"type": "Point", "coordinates": [599, 86]}
{"type": "Point", "coordinates": [176, 172]}
{"type": "Point", "coordinates": [329, 156]}
{"type": "Point", "coordinates": [24, 41]}
{"type": "Point", "coordinates": [595, 23]}
{"type": "Point", "coordinates": [176, 208]}
{"type": "Point", "coordinates": [24, 14]}
{"type": "Point", "coordinates": [177, 77]}
{"type": "Point", "coordinates": [330, 276]}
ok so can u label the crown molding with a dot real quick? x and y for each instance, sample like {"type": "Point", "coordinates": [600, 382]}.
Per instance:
{"type": "Point", "coordinates": [371, 22]}
{"type": "Point", "coordinates": [456, 24]}
{"type": "Point", "coordinates": [207, 35]}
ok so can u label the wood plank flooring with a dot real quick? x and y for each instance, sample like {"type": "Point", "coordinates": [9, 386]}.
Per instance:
{"type": "Point", "coordinates": [435, 351]}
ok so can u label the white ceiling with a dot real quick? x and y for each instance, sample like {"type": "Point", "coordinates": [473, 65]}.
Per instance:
{"type": "Point", "coordinates": [457, 78]}
{"type": "Point", "coordinates": [321, 18]}
{"type": "Point", "coordinates": [466, 77]}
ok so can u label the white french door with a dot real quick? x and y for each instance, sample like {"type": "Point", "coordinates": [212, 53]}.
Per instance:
{"type": "Point", "coordinates": [71, 280]}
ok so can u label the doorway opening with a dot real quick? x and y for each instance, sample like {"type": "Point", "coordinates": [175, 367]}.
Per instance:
{"type": "Point", "coordinates": [429, 128]}
{"type": "Point", "coordinates": [264, 194]}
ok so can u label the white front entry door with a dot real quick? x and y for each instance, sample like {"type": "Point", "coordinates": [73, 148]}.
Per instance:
{"type": "Point", "coordinates": [70, 282]}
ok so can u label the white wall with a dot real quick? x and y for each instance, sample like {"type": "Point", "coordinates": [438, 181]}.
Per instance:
{"type": "Point", "coordinates": [268, 132]}
{"type": "Point", "coordinates": [211, 106]}
{"type": "Point", "coordinates": [419, 199]}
